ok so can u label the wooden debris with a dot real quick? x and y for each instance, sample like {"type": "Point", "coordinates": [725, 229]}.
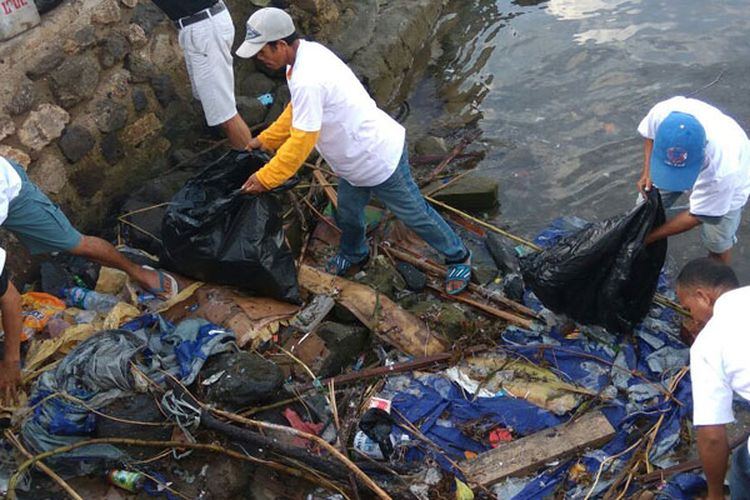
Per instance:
{"type": "Point", "coordinates": [531, 452]}
{"type": "Point", "coordinates": [376, 311]}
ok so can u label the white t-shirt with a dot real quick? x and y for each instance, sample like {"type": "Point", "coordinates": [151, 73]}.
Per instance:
{"type": "Point", "coordinates": [723, 184]}
{"type": "Point", "coordinates": [358, 140]}
{"type": "Point", "coordinates": [10, 186]}
{"type": "Point", "coordinates": [720, 360]}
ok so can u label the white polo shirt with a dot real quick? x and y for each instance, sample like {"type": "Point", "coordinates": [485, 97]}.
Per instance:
{"type": "Point", "coordinates": [723, 184]}
{"type": "Point", "coordinates": [357, 139]}
{"type": "Point", "coordinates": [720, 360]}
{"type": "Point", "coordinates": [10, 186]}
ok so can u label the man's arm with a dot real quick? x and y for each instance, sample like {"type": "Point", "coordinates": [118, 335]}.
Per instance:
{"type": "Point", "coordinates": [10, 370]}
{"type": "Point", "coordinates": [288, 159]}
{"type": "Point", "coordinates": [713, 449]}
{"type": "Point", "coordinates": [644, 183]}
{"type": "Point", "coordinates": [683, 222]}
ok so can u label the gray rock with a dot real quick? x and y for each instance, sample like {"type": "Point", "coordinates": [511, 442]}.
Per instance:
{"type": "Point", "coordinates": [23, 98]}
{"type": "Point", "coordinates": [76, 142]}
{"type": "Point", "coordinates": [141, 68]}
{"type": "Point", "coordinates": [112, 149]}
{"type": "Point", "coordinates": [141, 129]}
{"type": "Point", "coordinates": [114, 49]}
{"type": "Point", "coordinates": [473, 192]}
{"type": "Point", "coordinates": [129, 3]}
{"type": "Point", "coordinates": [136, 36]}
{"type": "Point", "coordinates": [383, 277]}
{"type": "Point", "coordinates": [164, 89]}
{"type": "Point", "coordinates": [147, 16]}
{"type": "Point", "coordinates": [344, 342]}
{"type": "Point", "coordinates": [140, 100]}
{"type": "Point", "coordinates": [107, 12]}
{"type": "Point", "coordinates": [357, 27]}
{"type": "Point", "coordinates": [45, 65]}
{"type": "Point", "coordinates": [251, 110]}
{"type": "Point", "coordinates": [431, 145]}
{"type": "Point", "coordinates": [256, 84]}
{"type": "Point", "coordinates": [84, 38]}
{"type": "Point", "coordinates": [75, 80]}
{"type": "Point", "coordinates": [248, 379]}
{"type": "Point", "coordinates": [43, 125]}
{"type": "Point", "coordinates": [7, 127]}
{"type": "Point", "coordinates": [48, 172]}
{"type": "Point", "coordinates": [15, 154]}
{"type": "Point", "coordinates": [116, 85]}
{"type": "Point", "coordinates": [110, 115]}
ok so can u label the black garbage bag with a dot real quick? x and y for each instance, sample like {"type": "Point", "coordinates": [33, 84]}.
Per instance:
{"type": "Point", "coordinates": [377, 425]}
{"type": "Point", "coordinates": [212, 232]}
{"type": "Point", "coordinates": [603, 274]}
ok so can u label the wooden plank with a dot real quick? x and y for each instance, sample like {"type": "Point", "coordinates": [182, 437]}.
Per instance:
{"type": "Point", "coordinates": [531, 452]}
{"type": "Point", "coordinates": [384, 317]}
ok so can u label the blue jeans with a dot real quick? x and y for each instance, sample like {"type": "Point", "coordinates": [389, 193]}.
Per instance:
{"type": "Point", "coordinates": [739, 474]}
{"type": "Point", "coordinates": [400, 194]}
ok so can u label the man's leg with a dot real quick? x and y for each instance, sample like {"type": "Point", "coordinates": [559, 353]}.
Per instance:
{"type": "Point", "coordinates": [720, 236]}
{"type": "Point", "coordinates": [237, 132]}
{"type": "Point", "coordinates": [207, 46]}
{"type": "Point", "coordinates": [350, 218]}
{"type": "Point", "coordinates": [42, 228]}
{"type": "Point", "coordinates": [402, 197]}
{"type": "Point", "coordinates": [104, 253]}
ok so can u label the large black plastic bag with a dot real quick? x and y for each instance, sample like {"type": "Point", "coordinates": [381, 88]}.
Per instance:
{"type": "Point", "coordinates": [603, 274]}
{"type": "Point", "coordinates": [213, 233]}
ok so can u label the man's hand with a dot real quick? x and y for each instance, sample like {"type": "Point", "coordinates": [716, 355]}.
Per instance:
{"type": "Point", "coordinates": [644, 184]}
{"type": "Point", "coordinates": [253, 186]}
{"type": "Point", "coordinates": [254, 143]}
{"type": "Point", "coordinates": [10, 379]}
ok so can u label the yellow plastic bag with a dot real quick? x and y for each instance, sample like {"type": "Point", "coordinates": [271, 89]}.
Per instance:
{"type": "Point", "coordinates": [37, 309]}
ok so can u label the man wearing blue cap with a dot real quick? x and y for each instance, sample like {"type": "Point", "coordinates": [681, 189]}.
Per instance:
{"type": "Point", "coordinates": [692, 146]}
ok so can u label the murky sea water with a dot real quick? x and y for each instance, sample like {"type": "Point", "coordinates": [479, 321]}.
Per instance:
{"type": "Point", "coordinates": [558, 88]}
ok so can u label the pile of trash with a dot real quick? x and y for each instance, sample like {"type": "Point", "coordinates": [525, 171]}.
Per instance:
{"type": "Point", "coordinates": [377, 385]}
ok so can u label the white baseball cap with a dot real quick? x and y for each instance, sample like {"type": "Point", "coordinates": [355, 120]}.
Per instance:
{"type": "Point", "coordinates": [268, 24]}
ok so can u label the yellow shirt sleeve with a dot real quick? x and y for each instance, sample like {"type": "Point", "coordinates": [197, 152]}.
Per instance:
{"type": "Point", "coordinates": [278, 132]}
{"type": "Point", "coordinates": [288, 158]}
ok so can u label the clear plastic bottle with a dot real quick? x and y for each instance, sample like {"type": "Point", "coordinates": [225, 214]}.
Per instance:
{"type": "Point", "coordinates": [84, 298]}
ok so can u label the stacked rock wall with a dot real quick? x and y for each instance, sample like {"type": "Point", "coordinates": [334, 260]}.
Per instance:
{"type": "Point", "coordinates": [97, 101]}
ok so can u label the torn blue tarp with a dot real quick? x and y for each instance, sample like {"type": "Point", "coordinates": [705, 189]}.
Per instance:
{"type": "Point", "coordinates": [98, 371]}
{"type": "Point", "coordinates": [633, 372]}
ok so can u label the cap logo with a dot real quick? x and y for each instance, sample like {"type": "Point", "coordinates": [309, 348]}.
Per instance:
{"type": "Point", "coordinates": [252, 33]}
{"type": "Point", "coordinates": [676, 157]}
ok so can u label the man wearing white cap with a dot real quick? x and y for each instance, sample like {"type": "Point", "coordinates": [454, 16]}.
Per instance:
{"type": "Point", "coordinates": [206, 34]}
{"type": "Point", "coordinates": [331, 111]}
{"type": "Point", "coordinates": [691, 145]}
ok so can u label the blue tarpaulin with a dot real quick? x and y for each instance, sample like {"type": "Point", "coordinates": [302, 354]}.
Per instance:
{"type": "Point", "coordinates": [635, 371]}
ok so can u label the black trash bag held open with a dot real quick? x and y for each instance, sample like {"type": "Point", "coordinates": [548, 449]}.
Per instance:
{"type": "Point", "coordinates": [214, 233]}
{"type": "Point", "coordinates": [603, 274]}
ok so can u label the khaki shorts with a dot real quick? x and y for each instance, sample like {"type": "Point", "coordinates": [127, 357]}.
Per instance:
{"type": "Point", "coordinates": [207, 46]}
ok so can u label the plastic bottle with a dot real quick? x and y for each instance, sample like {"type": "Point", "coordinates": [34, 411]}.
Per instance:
{"type": "Point", "coordinates": [84, 298]}
{"type": "Point", "coordinates": [127, 480]}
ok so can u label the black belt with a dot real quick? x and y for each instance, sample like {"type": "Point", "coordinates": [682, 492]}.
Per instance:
{"type": "Point", "coordinates": [200, 15]}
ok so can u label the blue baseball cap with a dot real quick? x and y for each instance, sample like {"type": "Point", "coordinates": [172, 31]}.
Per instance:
{"type": "Point", "coordinates": [678, 153]}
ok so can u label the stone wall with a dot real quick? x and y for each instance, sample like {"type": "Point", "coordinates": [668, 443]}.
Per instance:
{"type": "Point", "coordinates": [97, 101]}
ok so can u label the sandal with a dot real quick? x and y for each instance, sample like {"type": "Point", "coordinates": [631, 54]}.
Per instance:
{"type": "Point", "coordinates": [460, 272]}
{"type": "Point", "coordinates": [340, 265]}
{"type": "Point", "coordinates": [161, 291]}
